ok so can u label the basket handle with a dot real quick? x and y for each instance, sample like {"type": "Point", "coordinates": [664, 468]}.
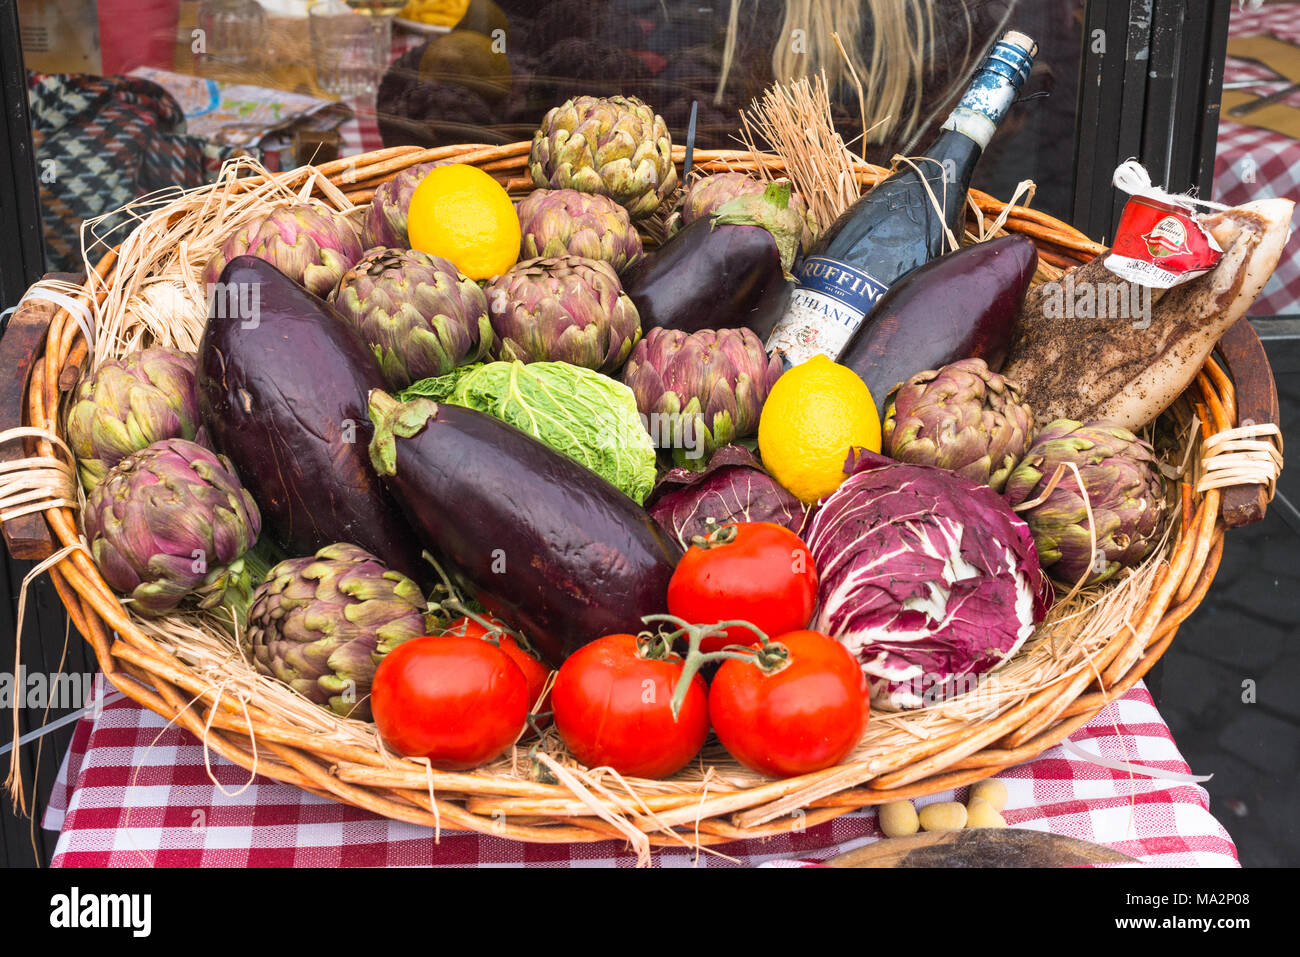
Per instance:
{"type": "Point", "coordinates": [1252, 379]}
{"type": "Point", "coordinates": [27, 536]}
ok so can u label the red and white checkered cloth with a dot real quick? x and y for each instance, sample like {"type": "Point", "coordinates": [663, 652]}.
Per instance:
{"type": "Point", "coordinates": [1253, 163]}
{"type": "Point", "coordinates": [134, 792]}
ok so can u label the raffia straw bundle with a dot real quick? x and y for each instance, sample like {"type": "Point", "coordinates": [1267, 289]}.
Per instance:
{"type": "Point", "coordinates": [189, 667]}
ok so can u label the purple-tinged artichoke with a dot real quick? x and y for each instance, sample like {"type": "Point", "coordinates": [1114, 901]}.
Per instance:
{"type": "Point", "coordinates": [168, 522]}
{"type": "Point", "coordinates": [704, 194]}
{"type": "Point", "coordinates": [311, 245]}
{"type": "Point", "coordinates": [385, 220]}
{"type": "Point", "coordinates": [565, 309]}
{"type": "Point", "coordinates": [128, 404]}
{"type": "Point", "coordinates": [616, 147]}
{"type": "Point", "coordinates": [963, 417]}
{"type": "Point", "coordinates": [1125, 491]}
{"type": "Point", "coordinates": [701, 390]}
{"type": "Point", "coordinates": [323, 624]}
{"type": "Point", "coordinates": [565, 222]}
{"type": "Point", "coordinates": [420, 315]}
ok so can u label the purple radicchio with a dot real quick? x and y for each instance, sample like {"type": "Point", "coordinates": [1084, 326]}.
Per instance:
{"type": "Point", "coordinates": [733, 488]}
{"type": "Point", "coordinates": [927, 577]}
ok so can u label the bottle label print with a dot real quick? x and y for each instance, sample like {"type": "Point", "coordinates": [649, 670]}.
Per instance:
{"type": "Point", "coordinates": [829, 302]}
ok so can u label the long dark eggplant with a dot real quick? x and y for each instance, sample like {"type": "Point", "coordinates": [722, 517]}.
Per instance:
{"type": "Point", "coordinates": [726, 271]}
{"type": "Point", "coordinates": [546, 545]}
{"type": "Point", "coordinates": [282, 384]}
{"type": "Point", "coordinates": [960, 306]}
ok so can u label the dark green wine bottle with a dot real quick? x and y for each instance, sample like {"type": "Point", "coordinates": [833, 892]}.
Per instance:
{"type": "Point", "coordinates": [901, 223]}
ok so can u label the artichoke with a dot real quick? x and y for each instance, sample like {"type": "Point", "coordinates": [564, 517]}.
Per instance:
{"type": "Point", "coordinates": [963, 417]}
{"type": "Point", "coordinates": [169, 521]}
{"type": "Point", "coordinates": [616, 147]}
{"type": "Point", "coordinates": [309, 244]}
{"type": "Point", "coordinates": [565, 309]}
{"type": "Point", "coordinates": [704, 194]}
{"type": "Point", "coordinates": [385, 221]}
{"type": "Point", "coordinates": [565, 222]}
{"type": "Point", "coordinates": [129, 403]}
{"type": "Point", "coordinates": [322, 624]}
{"type": "Point", "coordinates": [702, 390]}
{"type": "Point", "coordinates": [1125, 492]}
{"type": "Point", "coordinates": [420, 315]}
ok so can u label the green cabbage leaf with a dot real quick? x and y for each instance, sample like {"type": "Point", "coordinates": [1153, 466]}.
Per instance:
{"type": "Point", "coordinates": [589, 417]}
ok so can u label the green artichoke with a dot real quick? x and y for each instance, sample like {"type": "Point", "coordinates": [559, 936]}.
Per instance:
{"type": "Point", "coordinates": [565, 222]}
{"type": "Point", "coordinates": [129, 403]}
{"type": "Point", "coordinates": [168, 522]}
{"type": "Point", "coordinates": [702, 390]}
{"type": "Point", "coordinates": [323, 624]}
{"type": "Point", "coordinates": [311, 245]}
{"type": "Point", "coordinates": [1125, 491]}
{"type": "Point", "coordinates": [704, 194]}
{"type": "Point", "coordinates": [565, 309]}
{"type": "Point", "coordinates": [420, 315]}
{"type": "Point", "coordinates": [616, 147]}
{"type": "Point", "coordinates": [385, 220]}
{"type": "Point", "coordinates": [963, 417]}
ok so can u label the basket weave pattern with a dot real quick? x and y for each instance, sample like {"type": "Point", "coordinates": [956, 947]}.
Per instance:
{"type": "Point", "coordinates": [543, 799]}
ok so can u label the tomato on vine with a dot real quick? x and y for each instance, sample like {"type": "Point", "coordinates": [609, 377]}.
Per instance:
{"type": "Point", "coordinates": [460, 702]}
{"type": "Point", "coordinates": [758, 572]}
{"type": "Point", "coordinates": [612, 704]}
{"type": "Point", "coordinates": [490, 629]}
{"type": "Point", "coordinates": [784, 707]}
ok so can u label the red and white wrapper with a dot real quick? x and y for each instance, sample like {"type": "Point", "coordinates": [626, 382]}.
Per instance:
{"type": "Point", "coordinates": [1160, 241]}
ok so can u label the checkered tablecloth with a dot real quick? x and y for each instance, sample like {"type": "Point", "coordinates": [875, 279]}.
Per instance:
{"type": "Point", "coordinates": [1253, 163]}
{"type": "Point", "coordinates": [134, 792]}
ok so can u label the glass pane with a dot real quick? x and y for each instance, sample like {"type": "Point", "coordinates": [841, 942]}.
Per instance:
{"type": "Point", "coordinates": [214, 78]}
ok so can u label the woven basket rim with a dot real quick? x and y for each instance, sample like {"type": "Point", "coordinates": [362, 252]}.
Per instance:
{"type": "Point", "coordinates": [549, 813]}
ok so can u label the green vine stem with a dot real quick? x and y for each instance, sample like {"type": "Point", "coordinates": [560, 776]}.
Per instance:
{"type": "Point", "coordinates": [455, 604]}
{"type": "Point", "coordinates": [770, 658]}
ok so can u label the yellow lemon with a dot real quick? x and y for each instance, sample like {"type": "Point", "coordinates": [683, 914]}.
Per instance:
{"type": "Point", "coordinates": [461, 213]}
{"type": "Point", "coordinates": [813, 416]}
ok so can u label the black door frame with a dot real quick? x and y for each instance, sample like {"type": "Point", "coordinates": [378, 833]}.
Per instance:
{"type": "Point", "coordinates": [1151, 79]}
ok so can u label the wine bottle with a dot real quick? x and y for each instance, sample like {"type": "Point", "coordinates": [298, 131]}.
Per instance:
{"type": "Point", "coordinates": [898, 226]}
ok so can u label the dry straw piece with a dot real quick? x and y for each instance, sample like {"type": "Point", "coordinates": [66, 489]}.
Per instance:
{"type": "Point", "coordinates": [187, 667]}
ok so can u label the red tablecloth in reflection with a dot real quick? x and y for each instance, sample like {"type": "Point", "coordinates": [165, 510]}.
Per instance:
{"type": "Point", "coordinates": [1254, 163]}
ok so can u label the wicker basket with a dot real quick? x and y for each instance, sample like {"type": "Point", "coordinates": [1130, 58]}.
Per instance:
{"type": "Point", "coordinates": [548, 800]}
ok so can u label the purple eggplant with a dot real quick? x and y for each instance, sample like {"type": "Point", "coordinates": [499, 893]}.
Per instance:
{"type": "Point", "coordinates": [546, 545]}
{"type": "Point", "coordinates": [726, 271]}
{"type": "Point", "coordinates": [960, 306]}
{"type": "Point", "coordinates": [282, 384]}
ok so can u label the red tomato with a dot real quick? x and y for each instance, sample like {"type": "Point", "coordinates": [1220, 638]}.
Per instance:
{"type": "Point", "coordinates": [807, 716]}
{"type": "Point", "coordinates": [534, 671]}
{"type": "Point", "coordinates": [613, 707]}
{"type": "Point", "coordinates": [460, 702]}
{"type": "Point", "coordinates": [761, 572]}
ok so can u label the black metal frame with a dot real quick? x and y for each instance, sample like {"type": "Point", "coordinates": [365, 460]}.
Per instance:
{"type": "Point", "coordinates": [22, 262]}
{"type": "Point", "coordinates": [1153, 93]}
{"type": "Point", "coordinates": [22, 251]}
